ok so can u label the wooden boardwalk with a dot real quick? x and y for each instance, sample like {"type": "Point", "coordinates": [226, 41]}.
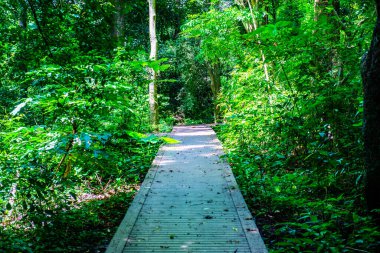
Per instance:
{"type": "Point", "coordinates": [189, 202]}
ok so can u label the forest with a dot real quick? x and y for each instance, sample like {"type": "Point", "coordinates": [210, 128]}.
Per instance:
{"type": "Point", "coordinates": [89, 86]}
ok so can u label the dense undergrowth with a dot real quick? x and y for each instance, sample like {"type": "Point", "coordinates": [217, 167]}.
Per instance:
{"type": "Point", "coordinates": [87, 227]}
{"type": "Point", "coordinates": [73, 107]}
{"type": "Point", "coordinates": [71, 156]}
{"type": "Point", "coordinates": [77, 213]}
{"type": "Point", "coordinates": [297, 209]}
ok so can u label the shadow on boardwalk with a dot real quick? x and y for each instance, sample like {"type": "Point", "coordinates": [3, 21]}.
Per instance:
{"type": "Point", "coordinates": [189, 202]}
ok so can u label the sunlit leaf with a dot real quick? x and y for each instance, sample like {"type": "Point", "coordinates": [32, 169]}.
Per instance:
{"type": "Point", "coordinates": [169, 140]}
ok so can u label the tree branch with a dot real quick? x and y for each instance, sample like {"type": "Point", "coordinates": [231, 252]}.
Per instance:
{"type": "Point", "coordinates": [44, 38]}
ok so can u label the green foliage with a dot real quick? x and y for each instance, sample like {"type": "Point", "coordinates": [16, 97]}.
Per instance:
{"type": "Point", "coordinates": [218, 33]}
{"type": "Point", "coordinates": [69, 100]}
{"type": "Point", "coordinates": [293, 140]}
{"type": "Point", "coordinates": [195, 95]}
{"type": "Point", "coordinates": [74, 115]}
{"type": "Point", "coordinates": [89, 226]}
{"type": "Point", "coordinates": [72, 132]}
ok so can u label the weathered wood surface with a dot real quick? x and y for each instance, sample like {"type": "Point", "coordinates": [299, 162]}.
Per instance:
{"type": "Point", "coordinates": [189, 202]}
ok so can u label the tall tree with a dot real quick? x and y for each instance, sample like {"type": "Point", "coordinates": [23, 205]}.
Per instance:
{"type": "Point", "coordinates": [330, 11]}
{"type": "Point", "coordinates": [252, 25]}
{"type": "Point", "coordinates": [23, 14]}
{"type": "Point", "coordinates": [119, 22]}
{"type": "Point", "coordinates": [319, 8]}
{"type": "Point", "coordinates": [153, 103]}
{"type": "Point", "coordinates": [214, 73]}
{"type": "Point", "coordinates": [371, 83]}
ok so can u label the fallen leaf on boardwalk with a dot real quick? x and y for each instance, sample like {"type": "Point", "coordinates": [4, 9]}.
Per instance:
{"type": "Point", "coordinates": [170, 140]}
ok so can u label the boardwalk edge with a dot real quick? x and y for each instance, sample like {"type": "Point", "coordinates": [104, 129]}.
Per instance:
{"type": "Point", "coordinates": [255, 241]}
{"type": "Point", "coordinates": [121, 236]}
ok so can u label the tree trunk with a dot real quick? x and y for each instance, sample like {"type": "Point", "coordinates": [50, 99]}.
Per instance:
{"type": "Point", "coordinates": [119, 22]}
{"type": "Point", "coordinates": [330, 62]}
{"type": "Point", "coordinates": [337, 65]}
{"type": "Point", "coordinates": [371, 85]}
{"type": "Point", "coordinates": [39, 27]}
{"type": "Point", "coordinates": [23, 16]}
{"type": "Point", "coordinates": [214, 73]}
{"type": "Point", "coordinates": [252, 26]}
{"type": "Point", "coordinates": [153, 104]}
{"type": "Point", "coordinates": [23, 23]}
{"type": "Point", "coordinates": [319, 8]}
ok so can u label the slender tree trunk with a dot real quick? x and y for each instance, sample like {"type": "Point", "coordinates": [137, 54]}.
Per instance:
{"type": "Point", "coordinates": [153, 103]}
{"type": "Point", "coordinates": [371, 85]}
{"type": "Point", "coordinates": [330, 62]}
{"type": "Point", "coordinates": [319, 8]}
{"type": "Point", "coordinates": [23, 15]}
{"type": "Point", "coordinates": [39, 27]}
{"type": "Point", "coordinates": [214, 73]}
{"type": "Point", "coordinates": [23, 23]}
{"type": "Point", "coordinates": [251, 26]}
{"type": "Point", "coordinates": [337, 65]}
{"type": "Point", "coordinates": [119, 22]}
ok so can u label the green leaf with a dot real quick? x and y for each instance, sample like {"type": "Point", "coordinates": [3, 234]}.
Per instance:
{"type": "Point", "coordinates": [51, 67]}
{"type": "Point", "coordinates": [277, 163]}
{"type": "Point", "coordinates": [359, 124]}
{"type": "Point", "coordinates": [164, 67]}
{"type": "Point", "coordinates": [150, 139]}
{"type": "Point", "coordinates": [20, 106]}
{"type": "Point", "coordinates": [169, 140]}
{"type": "Point", "coordinates": [86, 139]}
{"type": "Point", "coordinates": [167, 81]}
{"type": "Point", "coordinates": [136, 135]}
{"type": "Point", "coordinates": [355, 217]}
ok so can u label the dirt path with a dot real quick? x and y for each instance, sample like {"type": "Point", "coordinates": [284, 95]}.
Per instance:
{"type": "Point", "coordinates": [189, 202]}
